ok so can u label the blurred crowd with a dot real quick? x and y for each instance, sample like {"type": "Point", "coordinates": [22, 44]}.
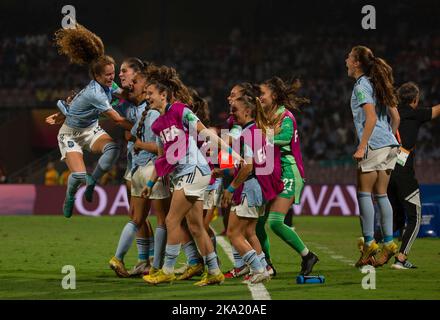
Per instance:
{"type": "Point", "coordinates": [33, 75]}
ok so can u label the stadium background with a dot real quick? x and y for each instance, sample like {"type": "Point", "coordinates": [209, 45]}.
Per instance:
{"type": "Point", "coordinates": [214, 45]}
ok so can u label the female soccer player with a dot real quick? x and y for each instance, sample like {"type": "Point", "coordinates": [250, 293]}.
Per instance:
{"type": "Point", "coordinates": [143, 155]}
{"type": "Point", "coordinates": [81, 129]}
{"type": "Point", "coordinates": [372, 99]}
{"type": "Point", "coordinates": [126, 108]}
{"type": "Point", "coordinates": [251, 189]}
{"type": "Point", "coordinates": [277, 98]}
{"type": "Point", "coordinates": [191, 174]}
{"type": "Point", "coordinates": [240, 267]}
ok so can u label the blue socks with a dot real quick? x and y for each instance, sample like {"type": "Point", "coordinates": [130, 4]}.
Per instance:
{"type": "Point", "coordinates": [386, 214]}
{"type": "Point", "coordinates": [74, 181]}
{"type": "Point", "coordinates": [253, 261]}
{"type": "Point", "coordinates": [238, 260]}
{"type": "Point", "coordinates": [160, 241]}
{"type": "Point", "coordinates": [127, 236]}
{"type": "Point", "coordinates": [171, 253]}
{"type": "Point", "coordinates": [191, 253]}
{"type": "Point", "coordinates": [150, 246]}
{"type": "Point", "coordinates": [366, 210]}
{"type": "Point", "coordinates": [143, 249]}
{"type": "Point", "coordinates": [262, 258]}
{"type": "Point", "coordinates": [211, 261]}
{"type": "Point", "coordinates": [108, 158]}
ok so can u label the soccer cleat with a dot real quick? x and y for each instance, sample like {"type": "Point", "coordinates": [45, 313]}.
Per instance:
{"type": "Point", "coordinates": [159, 277]}
{"type": "Point", "coordinates": [68, 206]}
{"type": "Point", "coordinates": [367, 254]}
{"type": "Point", "coordinates": [399, 265]}
{"type": "Point", "coordinates": [271, 269]}
{"type": "Point", "coordinates": [237, 272]}
{"type": "Point", "coordinates": [88, 194]}
{"type": "Point", "coordinates": [360, 244]}
{"type": "Point", "coordinates": [191, 271]}
{"type": "Point", "coordinates": [153, 271]}
{"type": "Point", "coordinates": [385, 254]}
{"type": "Point", "coordinates": [141, 268]}
{"type": "Point", "coordinates": [258, 277]}
{"type": "Point", "coordinates": [307, 263]}
{"type": "Point", "coordinates": [118, 267]}
{"type": "Point", "coordinates": [181, 269]}
{"type": "Point", "coordinates": [208, 279]}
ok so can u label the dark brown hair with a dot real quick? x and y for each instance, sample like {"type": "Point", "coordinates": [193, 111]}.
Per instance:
{"type": "Point", "coordinates": [200, 107]}
{"type": "Point", "coordinates": [249, 89]}
{"type": "Point", "coordinates": [380, 74]}
{"type": "Point", "coordinates": [134, 63]}
{"type": "Point", "coordinates": [285, 94]}
{"type": "Point", "coordinates": [407, 93]}
{"type": "Point", "coordinates": [167, 79]}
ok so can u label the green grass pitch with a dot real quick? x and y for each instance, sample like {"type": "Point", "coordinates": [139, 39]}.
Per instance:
{"type": "Point", "coordinates": [35, 248]}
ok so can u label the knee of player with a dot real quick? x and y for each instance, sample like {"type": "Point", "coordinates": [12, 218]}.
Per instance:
{"type": "Point", "coordinates": [137, 221]}
{"type": "Point", "coordinates": [112, 148]}
{"type": "Point", "coordinates": [170, 222]}
{"type": "Point", "coordinates": [232, 232]}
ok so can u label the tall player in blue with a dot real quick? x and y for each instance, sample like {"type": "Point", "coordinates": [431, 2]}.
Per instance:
{"type": "Point", "coordinates": [373, 99]}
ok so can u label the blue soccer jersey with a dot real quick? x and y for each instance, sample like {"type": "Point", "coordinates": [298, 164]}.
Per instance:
{"type": "Point", "coordinates": [382, 135]}
{"type": "Point", "coordinates": [143, 156]}
{"type": "Point", "coordinates": [85, 108]}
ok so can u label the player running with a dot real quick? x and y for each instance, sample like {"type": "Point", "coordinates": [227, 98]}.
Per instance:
{"type": "Point", "coordinates": [277, 99]}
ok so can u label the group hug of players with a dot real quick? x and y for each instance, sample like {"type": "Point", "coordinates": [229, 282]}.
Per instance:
{"type": "Point", "coordinates": [181, 170]}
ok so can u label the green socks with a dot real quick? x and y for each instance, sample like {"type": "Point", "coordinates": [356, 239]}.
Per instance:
{"type": "Point", "coordinates": [276, 223]}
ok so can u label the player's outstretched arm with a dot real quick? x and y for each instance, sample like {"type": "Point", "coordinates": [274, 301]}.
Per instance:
{"type": "Point", "coordinates": [120, 121]}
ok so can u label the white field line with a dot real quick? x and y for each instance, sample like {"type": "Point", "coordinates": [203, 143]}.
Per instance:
{"type": "Point", "coordinates": [333, 255]}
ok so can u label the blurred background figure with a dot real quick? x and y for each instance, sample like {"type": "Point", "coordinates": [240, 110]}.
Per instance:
{"type": "Point", "coordinates": [3, 177]}
{"type": "Point", "coordinates": [51, 177]}
{"type": "Point", "coordinates": [64, 176]}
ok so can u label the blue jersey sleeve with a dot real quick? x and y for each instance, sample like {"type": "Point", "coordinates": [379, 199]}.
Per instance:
{"type": "Point", "coordinates": [100, 100]}
{"type": "Point", "coordinates": [189, 119]}
{"type": "Point", "coordinates": [363, 93]}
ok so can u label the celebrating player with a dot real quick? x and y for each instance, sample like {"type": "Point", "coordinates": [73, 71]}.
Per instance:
{"type": "Point", "coordinates": [81, 129]}
{"type": "Point", "coordinates": [373, 98]}
{"type": "Point", "coordinates": [277, 98]}
{"type": "Point", "coordinates": [191, 174]}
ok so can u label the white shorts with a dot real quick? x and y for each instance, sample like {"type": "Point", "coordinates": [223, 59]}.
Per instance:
{"type": "Point", "coordinates": [379, 159]}
{"type": "Point", "coordinates": [211, 199]}
{"type": "Point", "coordinates": [139, 180]}
{"type": "Point", "coordinates": [242, 210]}
{"type": "Point", "coordinates": [77, 139]}
{"type": "Point", "coordinates": [127, 174]}
{"type": "Point", "coordinates": [193, 184]}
